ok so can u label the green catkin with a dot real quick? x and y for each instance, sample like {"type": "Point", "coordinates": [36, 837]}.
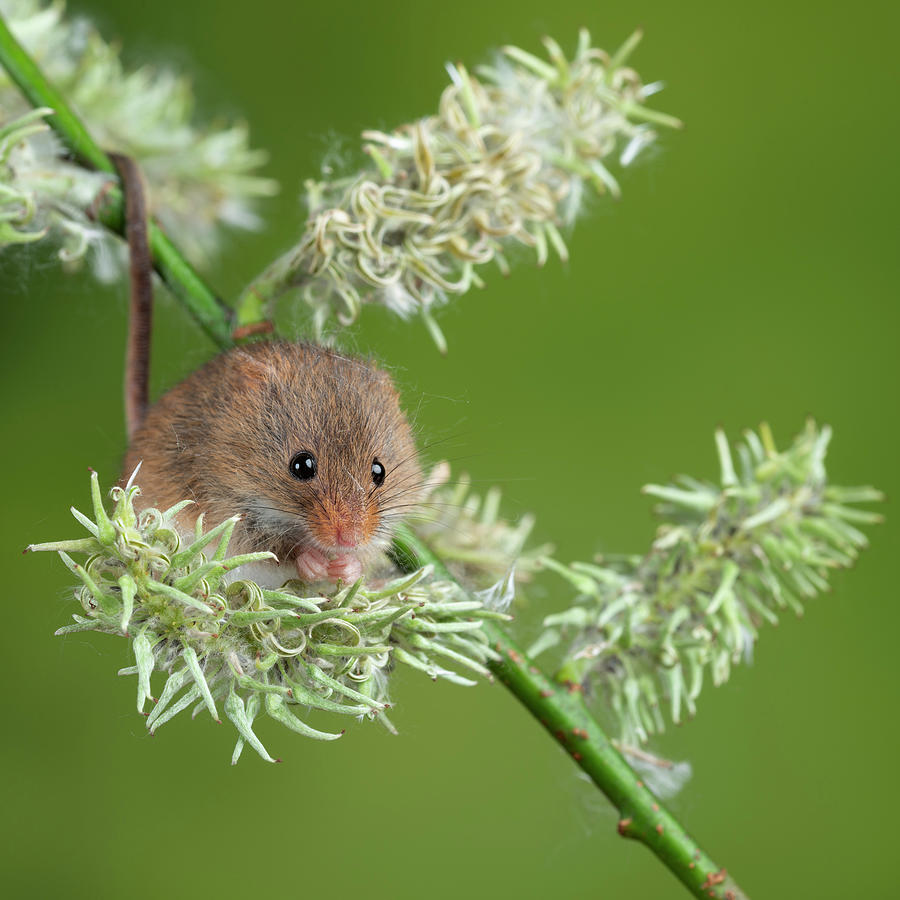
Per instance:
{"type": "Point", "coordinates": [237, 643]}
{"type": "Point", "coordinates": [728, 558]}
{"type": "Point", "coordinates": [502, 162]}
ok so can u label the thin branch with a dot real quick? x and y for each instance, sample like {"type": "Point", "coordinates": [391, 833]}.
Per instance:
{"type": "Point", "coordinates": [213, 316]}
{"type": "Point", "coordinates": [207, 310]}
{"type": "Point", "coordinates": [561, 710]}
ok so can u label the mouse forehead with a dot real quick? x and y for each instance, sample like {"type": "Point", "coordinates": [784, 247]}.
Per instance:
{"type": "Point", "coordinates": [343, 410]}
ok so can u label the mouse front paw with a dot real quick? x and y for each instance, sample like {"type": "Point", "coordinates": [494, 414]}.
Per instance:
{"type": "Point", "coordinates": [347, 568]}
{"type": "Point", "coordinates": [312, 565]}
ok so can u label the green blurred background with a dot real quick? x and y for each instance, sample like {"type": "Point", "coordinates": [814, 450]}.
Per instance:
{"type": "Point", "coordinates": [750, 272]}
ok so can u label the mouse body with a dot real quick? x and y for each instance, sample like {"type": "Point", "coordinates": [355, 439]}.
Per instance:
{"type": "Point", "coordinates": [308, 445]}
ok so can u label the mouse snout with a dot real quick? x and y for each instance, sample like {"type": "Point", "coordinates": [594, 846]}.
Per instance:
{"type": "Point", "coordinates": [347, 534]}
{"type": "Point", "coordinates": [342, 524]}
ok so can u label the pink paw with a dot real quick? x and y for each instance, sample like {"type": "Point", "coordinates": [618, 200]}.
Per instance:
{"type": "Point", "coordinates": [312, 565]}
{"type": "Point", "coordinates": [347, 568]}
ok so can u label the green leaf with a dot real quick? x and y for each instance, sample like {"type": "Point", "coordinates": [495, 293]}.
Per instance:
{"type": "Point", "coordinates": [276, 708]}
{"type": "Point", "coordinates": [190, 657]}
{"type": "Point", "coordinates": [106, 533]}
{"type": "Point", "coordinates": [235, 710]}
{"type": "Point", "coordinates": [185, 556]}
{"type": "Point", "coordinates": [173, 685]}
{"type": "Point", "coordinates": [159, 587]}
{"type": "Point", "coordinates": [144, 659]}
{"type": "Point", "coordinates": [128, 589]}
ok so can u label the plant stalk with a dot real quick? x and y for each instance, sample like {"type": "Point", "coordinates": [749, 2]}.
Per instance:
{"type": "Point", "coordinates": [560, 708]}
{"type": "Point", "coordinates": [253, 302]}
{"type": "Point", "coordinates": [213, 316]}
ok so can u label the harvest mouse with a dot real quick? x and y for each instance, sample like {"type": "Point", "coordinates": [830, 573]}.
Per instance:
{"type": "Point", "coordinates": [308, 445]}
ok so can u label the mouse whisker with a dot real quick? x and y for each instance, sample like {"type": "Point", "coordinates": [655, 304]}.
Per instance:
{"type": "Point", "coordinates": [464, 534]}
{"type": "Point", "coordinates": [259, 506]}
{"type": "Point", "coordinates": [423, 507]}
{"type": "Point", "coordinates": [321, 504]}
{"type": "Point", "coordinates": [397, 491]}
{"type": "Point", "coordinates": [402, 462]}
{"type": "Point", "coordinates": [416, 477]}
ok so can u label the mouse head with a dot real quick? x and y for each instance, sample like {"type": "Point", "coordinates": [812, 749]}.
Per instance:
{"type": "Point", "coordinates": [330, 455]}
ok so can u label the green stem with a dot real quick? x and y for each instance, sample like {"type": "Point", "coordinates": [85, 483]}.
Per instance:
{"type": "Point", "coordinates": [253, 304]}
{"type": "Point", "coordinates": [560, 708]}
{"type": "Point", "coordinates": [208, 310]}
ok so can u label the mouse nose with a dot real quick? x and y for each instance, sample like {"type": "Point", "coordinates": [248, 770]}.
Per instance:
{"type": "Point", "coordinates": [347, 535]}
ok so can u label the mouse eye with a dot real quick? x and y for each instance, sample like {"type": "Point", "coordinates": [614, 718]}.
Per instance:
{"type": "Point", "coordinates": [303, 466]}
{"type": "Point", "coordinates": [378, 472]}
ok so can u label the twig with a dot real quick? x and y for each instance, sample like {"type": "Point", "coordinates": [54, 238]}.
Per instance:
{"type": "Point", "coordinates": [561, 710]}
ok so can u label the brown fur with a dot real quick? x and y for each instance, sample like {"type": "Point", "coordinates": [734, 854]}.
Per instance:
{"type": "Point", "coordinates": [225, 436]}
